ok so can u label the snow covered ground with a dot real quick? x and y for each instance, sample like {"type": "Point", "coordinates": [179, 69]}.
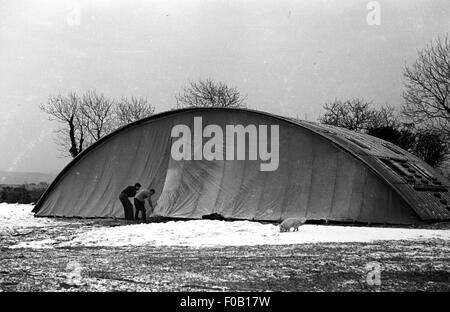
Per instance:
{"type": "Point", "coordinates": [198, 233]}
{"type": "Point", "coordinates": [221, 233]}
{"type": "Point", "coordinates": [16, 216]}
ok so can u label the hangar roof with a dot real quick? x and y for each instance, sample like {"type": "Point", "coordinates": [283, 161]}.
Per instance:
{"type": "Point", "coordinates": [425, 190]}
{"type": "Point", "coordinates": [419, 184]}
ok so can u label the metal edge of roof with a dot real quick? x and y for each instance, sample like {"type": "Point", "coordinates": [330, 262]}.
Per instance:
{"type": "Point", "coordinates": [312, 127]}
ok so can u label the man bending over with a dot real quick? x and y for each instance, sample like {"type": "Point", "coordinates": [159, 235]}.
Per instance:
{"type": "Point", "coordinates": [139, 202]}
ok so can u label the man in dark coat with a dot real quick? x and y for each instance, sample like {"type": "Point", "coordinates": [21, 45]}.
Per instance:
{"type": "Point", "coordinates": [129, 191]}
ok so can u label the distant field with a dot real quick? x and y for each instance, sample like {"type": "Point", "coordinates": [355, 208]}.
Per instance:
{"type": "Point", "coordinates": [22, 193]}
{"type": "Point", "coordinates": [23, 187]}
{"type": "Point", "coordinates": [13, 177]}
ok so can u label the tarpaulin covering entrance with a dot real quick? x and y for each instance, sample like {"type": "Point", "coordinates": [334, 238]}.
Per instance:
{"type": "Point", "coordinates": [245, 164]}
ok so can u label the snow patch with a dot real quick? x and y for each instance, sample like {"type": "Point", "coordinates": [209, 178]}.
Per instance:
{"type": "Point", "coordinates": [200, 233]}
{"type": "Point", "coordinates": [17, 216]}
{"type": "Point", "coordinates": [208, 233]}
{"type": "Point", "coordinates": [203, 233]}
{"type": "Point", "coordinates": [42, 244]}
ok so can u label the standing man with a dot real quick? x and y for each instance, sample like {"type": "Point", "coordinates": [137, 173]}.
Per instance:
{"type": "Point", "coordinates": [139, 203]}
{"type": "Point", "coordinates": [129, 191]}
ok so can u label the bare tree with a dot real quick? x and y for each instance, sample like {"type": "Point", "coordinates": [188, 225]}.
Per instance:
{"type": "Point", "coordinates": [97, 112]}
{"type": "Point", "coordinates": [427, 87]}
{"type": "Point", "coordinates": [354, 114]}
{"type": "Point", "coordinates": [384, 117]}
{"type": "Point", "coordinates": [432, 147]}
{"type": "Point", "coordinates": [133, 109]}
{"type": "Point", "coordinates": [66, 110]}
{"type": "Point", "coordinates": [208, 93]}
{"type": "Point", "coordinates": [83, 119]}
{"type": "Point", "coordinates": [385, 123]}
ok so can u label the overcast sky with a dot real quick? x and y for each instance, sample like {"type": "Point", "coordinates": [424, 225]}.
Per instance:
{"type": "Point", "coordinates": [289, 57]}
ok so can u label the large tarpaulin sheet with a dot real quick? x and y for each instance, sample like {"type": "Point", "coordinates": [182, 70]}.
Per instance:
{"type": "Point", "coordinates": [313, 177]}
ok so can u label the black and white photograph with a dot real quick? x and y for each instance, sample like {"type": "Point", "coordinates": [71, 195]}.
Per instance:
{"type": "Point", "coordinates": [224, 151]}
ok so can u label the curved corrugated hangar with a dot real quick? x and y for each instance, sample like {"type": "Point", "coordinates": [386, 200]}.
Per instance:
{"type": "Point", "coordinates": [245, 164]}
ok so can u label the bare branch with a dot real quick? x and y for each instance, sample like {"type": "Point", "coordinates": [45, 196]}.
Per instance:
{"type": "Point", "coordinates": [97, 116]}
{"type": "Point", "coordinates": [129, 110]}
{"type": "Point", "coordinates": [427, 87]}
{"type": "Point", "coordinates": [208, 93]}
{"type": "Point", "coordinates": [66, 111]}
{"type": "Point", "coordinates": [354, 114]}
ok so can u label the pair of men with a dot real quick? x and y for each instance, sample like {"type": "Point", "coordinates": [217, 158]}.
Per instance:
{"type": "Point", "coordinates": [139, 201]}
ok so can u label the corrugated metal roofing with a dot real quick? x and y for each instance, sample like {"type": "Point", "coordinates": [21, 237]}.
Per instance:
{"type": "Point", "coordinates": [419, 184]}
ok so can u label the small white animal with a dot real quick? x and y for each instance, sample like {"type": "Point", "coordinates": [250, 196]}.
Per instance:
{"type": "Point", "coordinates": [290, 223]}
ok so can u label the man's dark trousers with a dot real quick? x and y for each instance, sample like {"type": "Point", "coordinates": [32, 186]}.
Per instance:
{"type": "Point", "coordinates": [140, 206]}
{"type": "Point", "coordinates": [127, 206]}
